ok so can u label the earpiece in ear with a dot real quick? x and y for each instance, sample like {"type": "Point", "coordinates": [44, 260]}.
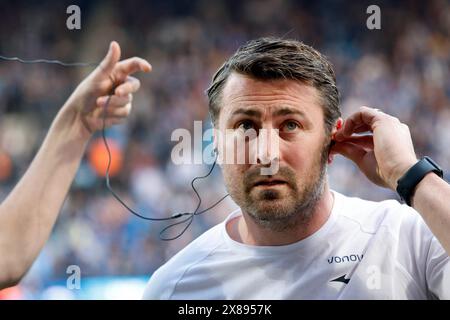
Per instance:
{"type": "Point", "coordinates": [339, 124]}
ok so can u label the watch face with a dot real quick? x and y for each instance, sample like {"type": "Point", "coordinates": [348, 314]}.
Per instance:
{"type": "Point", "coordinates": [434, 164]}
{"type": "Point", "coordinates": [407, 183]}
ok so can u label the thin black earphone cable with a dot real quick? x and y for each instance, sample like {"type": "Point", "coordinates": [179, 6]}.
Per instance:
{"type": "Point", "coordinates": [174, 216]}
{"type": "Point", "coordinates": [107, 178]}
{"type": "Point", "coordinates": [196, 212]}
{"type": "Point", "coordinates": [64, 64]}
{"type": "Point", "coordinates": [191, 217]}
{"type": "Point", "coordinates": [170, 226]}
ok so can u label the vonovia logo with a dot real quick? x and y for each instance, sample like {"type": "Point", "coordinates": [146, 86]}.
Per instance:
{"type": "Point", "coordinates": [347, 258]}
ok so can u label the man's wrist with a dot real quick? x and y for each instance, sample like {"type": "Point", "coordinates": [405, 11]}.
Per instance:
{"type": "Point", "coordinates": [69, 125]}
{"type": "Point", "coordinates": [401, 171]}
{"type": "Point", "coordinates": [430, 177]}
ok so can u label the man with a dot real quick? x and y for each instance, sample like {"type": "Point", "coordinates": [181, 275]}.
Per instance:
{"type": "Point", "coordinates": [294, 238]}
{"type": "Point", "coordinates": [28, 214]}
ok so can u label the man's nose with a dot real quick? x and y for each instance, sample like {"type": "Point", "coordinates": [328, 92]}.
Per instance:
{"type": "Point", "coordinates": [268, 146]}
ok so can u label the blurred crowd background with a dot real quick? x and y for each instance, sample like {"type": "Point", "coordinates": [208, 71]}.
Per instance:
{"type": "Point", "coordinates": [402, 69]}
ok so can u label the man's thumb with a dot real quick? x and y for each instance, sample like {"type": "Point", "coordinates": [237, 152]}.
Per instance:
{"type": "Point", "coordinates": [111, 58]}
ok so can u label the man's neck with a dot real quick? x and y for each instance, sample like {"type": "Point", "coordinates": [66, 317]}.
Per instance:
{"type": "Point", "coordinates": [243, 229]}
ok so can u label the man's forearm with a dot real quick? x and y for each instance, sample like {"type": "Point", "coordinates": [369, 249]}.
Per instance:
{"type": "Point", "coordinates": [431, 201]}
{"type": "Point", "coordinates": [28, 214]}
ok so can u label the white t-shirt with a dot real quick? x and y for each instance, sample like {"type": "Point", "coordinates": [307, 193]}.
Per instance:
{"type": "Point", "coordinates": [372, 250]}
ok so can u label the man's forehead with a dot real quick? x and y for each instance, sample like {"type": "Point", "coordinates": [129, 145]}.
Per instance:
{"type": "Point", "coordinates": [281, 96]}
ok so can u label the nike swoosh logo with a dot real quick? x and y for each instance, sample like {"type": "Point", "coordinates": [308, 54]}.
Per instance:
{"type": "Point", "coordinates": [341, 279]}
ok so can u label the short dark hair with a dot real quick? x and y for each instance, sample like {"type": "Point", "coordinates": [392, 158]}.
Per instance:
{"type": "Point", "coordinates": [275, 58]}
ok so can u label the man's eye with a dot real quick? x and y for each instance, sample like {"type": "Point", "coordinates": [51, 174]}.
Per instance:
{"type": "Point", "coordinates": [290, 126]}
{"type": "Point", "coordinates": [246, 125]}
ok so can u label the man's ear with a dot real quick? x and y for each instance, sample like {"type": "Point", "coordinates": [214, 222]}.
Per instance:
{"type": "Point", "coordinates": [336, 127]}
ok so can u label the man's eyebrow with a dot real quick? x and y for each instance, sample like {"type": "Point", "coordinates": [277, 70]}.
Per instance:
{"type": "Point", "coordinates": [256, 113]}
{"type": "Point", "coordinates": [247, 112]}
{"type": "Point", "coordinates": [288, 111]}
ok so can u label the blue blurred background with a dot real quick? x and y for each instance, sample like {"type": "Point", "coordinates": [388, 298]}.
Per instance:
{"type": "Point", "coordinates": [402, 69]}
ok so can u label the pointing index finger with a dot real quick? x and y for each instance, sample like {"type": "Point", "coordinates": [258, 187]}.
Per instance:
{"type": "Point", "coordinates": [129, 66]}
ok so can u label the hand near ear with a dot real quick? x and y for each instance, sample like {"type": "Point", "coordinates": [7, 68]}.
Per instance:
{"type": "Point", "coordinates": [385, 154]}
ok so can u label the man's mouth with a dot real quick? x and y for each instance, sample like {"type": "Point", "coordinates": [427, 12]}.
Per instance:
{"type": "Point", "coordinates": [270, 183]}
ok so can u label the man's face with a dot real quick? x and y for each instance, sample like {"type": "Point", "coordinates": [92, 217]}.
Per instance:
{"type": "Point", "coordinates": [288, 197]}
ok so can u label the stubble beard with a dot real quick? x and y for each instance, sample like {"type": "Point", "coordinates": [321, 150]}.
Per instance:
{"type": "Point", "coordinates": [283, 210]}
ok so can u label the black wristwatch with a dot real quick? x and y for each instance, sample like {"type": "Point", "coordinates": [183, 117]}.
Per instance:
{"type": "Point", "coordinates": [406, 185]}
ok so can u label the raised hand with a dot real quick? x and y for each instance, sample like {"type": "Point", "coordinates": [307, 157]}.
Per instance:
{"type": "Point", "coordinates": [85, 107]}
{"type": "Point", "coordinates": [385, 154]}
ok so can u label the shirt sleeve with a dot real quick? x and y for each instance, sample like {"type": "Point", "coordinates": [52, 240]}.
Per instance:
{"type": "Point", "coordinates": [160, 286]}
{"type": "Point", "coordinates": [427, 262]}
{"type": "Point", "coordinates": [438, 270]}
